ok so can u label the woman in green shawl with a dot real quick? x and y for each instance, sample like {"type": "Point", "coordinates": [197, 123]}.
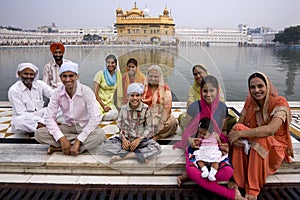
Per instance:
{"type": "Point", "coordinates": [199, 71]}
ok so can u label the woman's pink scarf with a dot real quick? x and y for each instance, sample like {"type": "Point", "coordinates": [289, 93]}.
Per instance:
{"type": "Point", "coordinates": [207, 110]}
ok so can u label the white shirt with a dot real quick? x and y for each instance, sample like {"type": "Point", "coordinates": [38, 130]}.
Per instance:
{"type": "Point", "coordinates": [81, 110]}
{"type": "Point", "coordinates": [28, 102]}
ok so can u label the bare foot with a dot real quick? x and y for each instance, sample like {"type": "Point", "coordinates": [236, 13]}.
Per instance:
{"type": "Point", "coordinates": [52, 149]}
{"type": "Point", "coordinates": [115, 158]}
{"type": "Point", "coordinates": [238, 195]}
{"type": "Point", "coordinates": [156, 137]}
{"type": "Point", "coordinates": [181, 179]}
{"type": "Point", "coordinates": [40, 125]}
{"type": "Point", "coordinates": [232, 185]}
{"type": "Point", "coordinates": [250, 197]}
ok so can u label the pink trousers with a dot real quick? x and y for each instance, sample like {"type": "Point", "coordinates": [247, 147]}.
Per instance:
{"type": "Point", "coordinates": [223, 174]}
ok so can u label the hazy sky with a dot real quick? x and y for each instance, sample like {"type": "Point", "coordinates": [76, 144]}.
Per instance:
{"type": "Point", "coordinates": [29, 14]}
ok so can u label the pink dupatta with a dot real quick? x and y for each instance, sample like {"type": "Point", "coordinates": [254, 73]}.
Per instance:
{"type": "Point", "coordinates": [207, 110]}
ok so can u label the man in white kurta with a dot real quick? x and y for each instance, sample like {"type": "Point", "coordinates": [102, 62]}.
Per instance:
{"type": "Point", "coordinates": [26, 96]}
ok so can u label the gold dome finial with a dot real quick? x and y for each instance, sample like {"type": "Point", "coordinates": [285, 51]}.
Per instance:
{"type": "Point", "coordinates": [166, 11]}
{"type": "Point", "coordinates": [119, 11]}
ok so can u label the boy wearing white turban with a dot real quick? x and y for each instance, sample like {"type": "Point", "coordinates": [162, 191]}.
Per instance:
{"type": "Point", "coordinates": [135, 126]}
{"type": "Point", "coordinates": [26, 96]}
{"type": "Point", "coordinates": [79, 130]}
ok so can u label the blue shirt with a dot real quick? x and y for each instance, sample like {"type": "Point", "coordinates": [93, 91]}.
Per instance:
{"type": "Point", "coordinates": [220, 113]}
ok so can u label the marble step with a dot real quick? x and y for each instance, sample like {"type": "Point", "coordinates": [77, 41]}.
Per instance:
{"type": "Point", "coordinates": [33, 159]}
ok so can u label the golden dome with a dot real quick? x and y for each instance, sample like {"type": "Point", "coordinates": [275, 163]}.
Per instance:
{"type": "Point", "coordinates": [166, 11]}
{"type": "Point", "coordinates": [135, 10]}
{"type": "Point", "coordinates": [119, 11]}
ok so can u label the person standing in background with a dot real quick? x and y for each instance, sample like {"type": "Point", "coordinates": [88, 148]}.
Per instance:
{"type": "Point", "coordinates": [51, 69]}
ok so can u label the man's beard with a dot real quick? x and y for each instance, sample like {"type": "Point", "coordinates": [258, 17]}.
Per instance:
{"type": "Point", "coordinates": [57, 58]}
{"type": "Point", "coordinates": [27, 81]}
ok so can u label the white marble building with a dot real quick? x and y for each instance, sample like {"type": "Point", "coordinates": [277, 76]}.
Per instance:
{"type": "Point", "coordinates": [65, 35]}
{"type": "Point", "coordinates": [211, 36]}
{"type": "Point", "coordinates": [184, 36]}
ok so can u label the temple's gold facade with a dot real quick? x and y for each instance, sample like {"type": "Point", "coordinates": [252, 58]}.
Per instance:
{"type": "Point", "coordinates": [136, 26]}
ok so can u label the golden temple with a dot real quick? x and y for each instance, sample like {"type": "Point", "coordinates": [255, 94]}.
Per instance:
{"type": "Point", "coordinates": [136, 26]}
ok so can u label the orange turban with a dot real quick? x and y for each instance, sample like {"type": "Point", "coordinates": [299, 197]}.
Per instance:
{"type": "Point", "coordinates": [57, 45]}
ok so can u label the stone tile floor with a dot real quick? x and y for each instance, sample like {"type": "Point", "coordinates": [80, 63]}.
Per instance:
{"type": "Point", "coordinates": [29, 163]}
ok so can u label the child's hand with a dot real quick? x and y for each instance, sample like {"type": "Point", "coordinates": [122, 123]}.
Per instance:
{"type": "Point", "coordinates": [134, 144]}
{"type": "Point", "coordinates": [125, 143]}
{"type": "Point", "coordinates": [217, 138]}
{"type": "Point", "coordinates": [224, 147]}
{"type": "Point", "coordinates": [195, 143]}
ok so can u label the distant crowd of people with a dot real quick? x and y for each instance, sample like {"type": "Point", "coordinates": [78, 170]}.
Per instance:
{"type": "Point", "coordinates": [242, 152]}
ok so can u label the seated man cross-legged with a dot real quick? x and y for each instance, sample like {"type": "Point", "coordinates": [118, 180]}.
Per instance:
{"type": "Point", "coordinates": [79, 131]}
{"type": "Point", "coordinates": [26, 97]}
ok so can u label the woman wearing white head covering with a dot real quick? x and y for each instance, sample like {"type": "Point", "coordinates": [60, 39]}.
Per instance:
{"type": "Point", "coordinates": [106, 83]}
{"type": "Point", "coordinates": [26, 96]}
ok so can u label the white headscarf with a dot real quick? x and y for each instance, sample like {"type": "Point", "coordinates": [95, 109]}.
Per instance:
{"type": "Point", "coordinates": [135, 87]}
{"type": "Point", "coordinates": [23, 66]}
{"type": "Point", "coordinates": [68, 67]}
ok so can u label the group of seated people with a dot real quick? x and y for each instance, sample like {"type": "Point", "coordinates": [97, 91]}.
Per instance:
{"type": "Point", "coordinates": [244, 154]}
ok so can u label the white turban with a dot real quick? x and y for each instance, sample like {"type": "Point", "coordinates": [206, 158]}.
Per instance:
{"type": "Point", "coordinates": [68, 67]}
{"type": "Point", "coordinates": [135, 87]}
{"type": "Point", "coordinates": [23, 66]}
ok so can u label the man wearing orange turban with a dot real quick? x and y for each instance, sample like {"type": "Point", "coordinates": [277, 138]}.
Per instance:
{"type": "Point", "coordinates": [51, 69]}
{"type": "Point", "coordinates": [56, 45]}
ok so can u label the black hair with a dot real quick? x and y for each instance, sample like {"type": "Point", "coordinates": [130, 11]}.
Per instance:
{"type": "Point", "coordinates": [132, 60]}
{"type": "Point", "coordinates": [200, 66]}
{"type": "Point", "coordinates": [113, 57]}
{"type": "Point", "coordinates": [258, 75]}
{"type": "Point", "coordinates": [206, 124]}
{"type": "Point", "coordinates": [209, 79]}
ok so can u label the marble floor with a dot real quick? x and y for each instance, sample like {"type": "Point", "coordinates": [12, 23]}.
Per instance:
{"type": "Point", "coordinates": [29, 163]}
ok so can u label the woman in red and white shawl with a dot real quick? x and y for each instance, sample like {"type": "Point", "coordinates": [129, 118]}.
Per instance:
{"type": "Point", "coordinates": [263, 127]}
{"type": "Point", "coordinates": [157, 95]}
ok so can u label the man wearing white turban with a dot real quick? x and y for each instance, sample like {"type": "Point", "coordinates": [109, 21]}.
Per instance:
{"type": "Point", "coordinates": [26, 96]}
{"type": "Point", "coordinates": [134, 121]}
{"type": "Point", "coordinates": [79, 130]}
